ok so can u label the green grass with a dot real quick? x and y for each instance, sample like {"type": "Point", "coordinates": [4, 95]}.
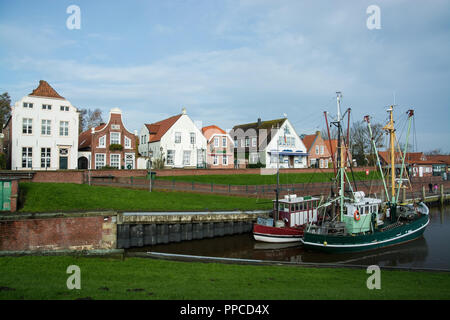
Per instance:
{"type": "Point", "coordinates": [53, 197]}
{"type": "Point", "coordinates": [44, 277]}
{"type": "Point", "coordinates": [257, 179]}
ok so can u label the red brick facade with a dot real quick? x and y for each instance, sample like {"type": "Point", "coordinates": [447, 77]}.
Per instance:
{"type": "Point", "coordinates": [98, 142]}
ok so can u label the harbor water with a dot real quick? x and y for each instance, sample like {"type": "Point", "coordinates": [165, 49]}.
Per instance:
{"type": "Point", "coordinates": [432, 250]}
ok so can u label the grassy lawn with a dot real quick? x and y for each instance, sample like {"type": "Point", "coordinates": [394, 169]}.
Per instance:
{"type": "Point", "coordinates": [257, 179]}
{"type": "Point", "coordinates": [53, 197]}
{"type": "Point", "coordinates": [44, 277]}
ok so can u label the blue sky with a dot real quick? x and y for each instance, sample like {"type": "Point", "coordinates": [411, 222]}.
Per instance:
{"type": "Point", "coordinates": [230, 62]}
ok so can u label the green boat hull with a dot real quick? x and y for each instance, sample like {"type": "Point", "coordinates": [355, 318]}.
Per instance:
{"type": "Point", "coordinates": [358, 243]}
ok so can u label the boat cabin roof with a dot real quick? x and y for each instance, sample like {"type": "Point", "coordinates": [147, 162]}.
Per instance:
{"type": "Point", "coordinates": [294, 199]}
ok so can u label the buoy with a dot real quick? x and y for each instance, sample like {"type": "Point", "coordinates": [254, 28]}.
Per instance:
{"type": "Point", "coordinates": [356, 215]}
{"type": "Point", "coordinates": [324, 243]}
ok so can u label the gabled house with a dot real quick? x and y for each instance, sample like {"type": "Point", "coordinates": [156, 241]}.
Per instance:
{"type": "Point", "coordinates": [318, 154]}
{"type": "Point", "coordinates": [220, 148]}
{"type": "Point", "coordinates": [107, 145]}
{"type": "Point", "coordinates": [42, 132]}
{"type": "Point", "coordinates": [262, 143]}
{"type": "Point", "coordinates": [175, 140]}
{"type": "Point", "coordinates": [333, 145]}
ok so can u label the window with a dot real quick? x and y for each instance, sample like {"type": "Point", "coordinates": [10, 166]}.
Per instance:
{"type": "Point", "coordinates": [192, 137]}
{"type": "Point", "coordinates": [27, 157]}
{"type": "Point", "coordinates": [254, 157]}
{"type": "Point", "coordinates": [321, 149]}
{"type": "Point", "coordinates": [27, 105]}
{"type": "Point", "coordinates": [177, 137]}
{"type": "Point", "coordinates": [293, 141]}
{"type": "Point", "coordinates": [46, 127]}
{"type": "Point", "coordinates": [99, 160]}
{"type": "Point", "coordinates": [114, 160]}
{"type": "Point", "coordinates": [225, 160]}
{"type": "Point", "coordinates": [253, 142]}
{"type": "Point", "coordinates": [27, 126]}
{"type": "Point", "coordinates": [127, 143]}
{"type": "Point", "coordinates": [216, 142]}
{"type": "Point", "coordinates": [114, 138]}
{"type": "Point", "coordinates": [224, 142]}
{"type": "Point", "coordinates": [317, 149]}
{"type": "Point", "coordinates": [247, 142]}
{"type": "Point", "coordinates": [45, 157]}
{"type": "Point", "coordinates": [186, 158]}
{"type": "Point", "coordinates": [102, 142]}
{"type": "Point", "coordinates": [46, 107]}
{"type": "Point", "coordinates": [215, 160]}
{"type": "Point", "coordinates": [170, 156]}
{"type": "Point", "coordinates": [64, 108]}
{"type": "Point", "coordinates": [64, 128]}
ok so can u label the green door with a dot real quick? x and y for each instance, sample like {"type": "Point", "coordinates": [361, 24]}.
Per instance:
{"type": "Point", "coordinates": [62, 163]}
{"type": "Point", "coordinates": [5, 193]}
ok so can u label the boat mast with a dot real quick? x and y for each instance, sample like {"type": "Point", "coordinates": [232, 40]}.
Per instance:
{"type": "Point", "coordinates": [390, 128]}
{"type": "Point", "coordinates": [400, 180]}
{"type": "Point", "coordinates": [340, 161]}
{"type": "Point", "coordinates": [278, 177]}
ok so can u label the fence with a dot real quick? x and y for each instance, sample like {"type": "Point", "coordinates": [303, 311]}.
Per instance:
{"type": "Point", "coordinates": [372, 187]}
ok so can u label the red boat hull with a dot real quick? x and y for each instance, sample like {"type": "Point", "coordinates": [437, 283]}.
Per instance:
{"type": "Point", "coordinates": [277, 234]}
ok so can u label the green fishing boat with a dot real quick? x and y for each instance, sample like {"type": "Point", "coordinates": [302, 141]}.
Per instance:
{"type": "Point", "coordinates": [365, 223]}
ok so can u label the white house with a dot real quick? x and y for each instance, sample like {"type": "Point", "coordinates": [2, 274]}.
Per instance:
{"type": "Point", "coordinates": [176, 140]}
{"type": "Point", "coordinates": [263, 141]}
{"type": "Point", "coordinates": [42, 131]}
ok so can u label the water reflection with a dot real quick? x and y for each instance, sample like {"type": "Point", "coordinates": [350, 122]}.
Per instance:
{"type": "Point", "coordinates": [432, 250]}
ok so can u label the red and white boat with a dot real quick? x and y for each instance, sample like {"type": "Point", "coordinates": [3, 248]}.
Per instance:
{"type": "Point", "coordinates": [290, 219]}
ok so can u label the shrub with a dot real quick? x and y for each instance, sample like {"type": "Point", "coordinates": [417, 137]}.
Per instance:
{"type": "Point", "coordinates": [115, 147]}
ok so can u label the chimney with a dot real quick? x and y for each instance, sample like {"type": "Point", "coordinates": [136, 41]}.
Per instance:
{"type": "Point", "coordinates": [259, 122]}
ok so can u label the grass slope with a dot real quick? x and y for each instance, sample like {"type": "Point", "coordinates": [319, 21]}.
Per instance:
{"type": "Point", "coordinates": [257, 179]}
{"type": "Point", "coordinates": [52, 197]}
{"type": "Point", "coordinates": [44, 277]}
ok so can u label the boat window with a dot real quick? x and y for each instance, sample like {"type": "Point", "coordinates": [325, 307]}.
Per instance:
{"type": "Point", "coordinates": [361, 211]}
{"type": "Point", "coordinates": [375, 209]}
{"type": "Point", "coordinates": [292, 207]}
{"type": "Point", "coordinates": [296, 207]}
{"type": "Point", "coordinates": [281, 206]}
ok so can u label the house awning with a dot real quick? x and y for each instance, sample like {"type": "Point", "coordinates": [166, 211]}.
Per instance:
{"type": "Point", "coordinates": [288, 153]}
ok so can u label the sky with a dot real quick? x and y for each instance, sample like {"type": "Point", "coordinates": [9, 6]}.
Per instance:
{"type": "Point", "coordinates": [231, 62]}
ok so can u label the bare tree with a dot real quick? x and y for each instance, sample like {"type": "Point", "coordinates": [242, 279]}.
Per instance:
{"type": "Point", "coordinates": [5, 109]}
{"type": "Point", "coordinates": [89, 119]}
{"type": "Point", "coordinates": [361, 143]}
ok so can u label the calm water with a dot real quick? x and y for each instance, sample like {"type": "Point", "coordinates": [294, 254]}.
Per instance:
{"type": "Point", "coordinates": [430, 251]}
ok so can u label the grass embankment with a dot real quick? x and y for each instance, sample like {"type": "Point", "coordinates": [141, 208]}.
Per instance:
{"type": "Point", "coordinates": [257, 179]}
{"type": "Point", "coordinates": [52, 197]}
{"type": "Point", "coordinates": [39, 277]}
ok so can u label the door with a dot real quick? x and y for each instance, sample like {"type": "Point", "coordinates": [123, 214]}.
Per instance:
{"type": "Point", "coordinates": [63, 158]}
{"type": "Point", "coordinates": [5, 194]}
{"type": "Point", "coordinates": [82, 163]}
{"type": "Point", "coordinates": [129, 161]}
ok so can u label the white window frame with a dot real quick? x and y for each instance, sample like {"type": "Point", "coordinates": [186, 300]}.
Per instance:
{"type": "Point", "coordinates": [172, 158]}
{"type": "Point", "coordinates": [63, 128]}
{"type": "Point", "coordinates": [64, 108]}
{"type": "Point", "coordinates": [177, 137]}
{"type": "Point", "coordinates": [127, 142]}
{"type": "Point", "coordinates": [253, 142]}
{"type": "Point", "coordinates": [98, 162]}
{"type": "Point", "coordinates": [28, 105]}
{"type": "Point", "coordinates": [317, 150]}
{"type": "Point", "coordinates": [225, 160]}
{"type": "Point", "coordinates": [215, 160]}
{"type": "Point", "coordinates": [46, 107]}
{"type": "Point", "coordinates": [46, 127]}
{"type": "Point", "coordinates": [28, 157]}
{"type": "Point", "coordinates": [192, 136]}
{"type": "Point", "coordinates": [216, 141]}
{"type": "Point", "coordinates": [111, 137]}
{"type": "Point", "coordinates": [102, 142]}
{"type": "Point", "coordinates": [321, 150]}
{"type": "Point", "coordinates": [116, 163]}
{"type": "Point", "coordinates": [186, 163]}
{"type": "Point", "coordinates": [224, 142]}
{"type": "Point", "coordinates": [46, 155]}
{"type": "Point", "coordinates": [27, 124]}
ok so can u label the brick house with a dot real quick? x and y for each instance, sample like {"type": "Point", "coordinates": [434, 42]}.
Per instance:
{"type": "Point", "coordinates": [219, 148]}
{"type": "Point", "coordinates": [109, 144]}
{"type": "Point", "coordinates": [318, 154]}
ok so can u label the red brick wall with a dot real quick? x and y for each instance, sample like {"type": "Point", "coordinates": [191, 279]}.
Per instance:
{"type": "Point", "coordinates": [75, 233]}
{"type": "Point", "coordinates": [65, 176]}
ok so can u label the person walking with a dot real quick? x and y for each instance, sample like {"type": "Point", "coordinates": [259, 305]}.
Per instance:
{"type": "Point", "coordinates": [435, 188]}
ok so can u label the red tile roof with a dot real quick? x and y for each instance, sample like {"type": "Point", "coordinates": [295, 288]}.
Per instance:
{"type": "Point", "coordinates": [411, 157]}
{"type": "Point", "coordinates": [210, 130]}
{"type": "Point", "coordinates": [308, 141]}
{"type": "Point", "coordinates": [45, 90]}
{"type": "Point", "coordinates": [158, 129]}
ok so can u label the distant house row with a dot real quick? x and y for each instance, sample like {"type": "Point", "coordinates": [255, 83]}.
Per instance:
{"type": "Point", "coordinates": [42, 134]}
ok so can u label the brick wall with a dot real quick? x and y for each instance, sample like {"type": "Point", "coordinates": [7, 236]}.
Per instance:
{"type": "Point", "coordinates": [70, 233]}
